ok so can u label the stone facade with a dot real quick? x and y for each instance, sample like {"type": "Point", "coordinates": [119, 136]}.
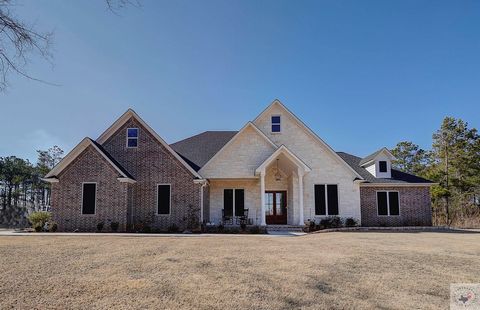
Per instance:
{"type": "Point", "coordinates": [152, 164]}
{"type": "Point", "coordinates": [415, 206]}
{"type": "Point", "coordinates": [111, 203]}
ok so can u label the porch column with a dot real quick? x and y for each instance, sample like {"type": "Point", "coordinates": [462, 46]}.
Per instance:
{"type": "Point", "coordinates": [262, 199]}
{"type": "Point", "coordinates": [300, 197]}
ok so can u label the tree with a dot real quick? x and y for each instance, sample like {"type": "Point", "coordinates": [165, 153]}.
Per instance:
{"type": "Point", "coordinates": [410, 158]}
{"type": "Point", "coordinates": [19, 41]}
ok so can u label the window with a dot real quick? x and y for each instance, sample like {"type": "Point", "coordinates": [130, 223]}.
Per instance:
{"type": "Point", "coordinates": [276, 123]}
{"type": "Point", "coordinates": [388, 203]}
{"type": "Point", "coordinates": [132, 137]}
{"type": "Point", "coordinates": [326, 199]}
{"type": "Point", "coordinates": [163, 199]}
{"type": "Point", "coordinates": [233, 202]}
{"type": "Point", "coordinates": [383, 166]}
{"type": "Point", "coordinates": [89, 198]}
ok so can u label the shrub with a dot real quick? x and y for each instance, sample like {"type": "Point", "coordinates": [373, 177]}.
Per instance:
{"type": "Point", "coordinates": [100, 226]}
{"type": "Point", "coordinates": [114, 226]}
{"type": "Point", "coordinates": [350, 222]}
{"type": "Point", "coordinates": [38, 219]}
{"type": "Point", "coordinates": [146, 229]}
{"type": "Point", "coordinates": [52, 227]}
{"type": "Point", "coordinates": [220, 228]}
{"type": "Point", "coordinates": [243, 226]}
{"type": "Point", "coordinates": [173, 228]}
{"type": "Point", "coordinates": [38, 227]}
{"type": "Point", "coordinates": [330, 222]}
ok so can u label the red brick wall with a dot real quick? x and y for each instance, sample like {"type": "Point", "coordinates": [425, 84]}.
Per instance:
{"type": "Point", "coordinates": [415, 207]}
{"type": "Point", "coordinates": [111, 206]}
{"type": "Point", "coordinates": [151, 164]}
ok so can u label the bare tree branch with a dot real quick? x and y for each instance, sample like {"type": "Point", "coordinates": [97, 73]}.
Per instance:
{"type": "Point", "coordinates": [17, 42]}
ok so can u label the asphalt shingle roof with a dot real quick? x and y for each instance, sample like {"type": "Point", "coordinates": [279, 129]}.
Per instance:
{"type": "Point", "coordinates": [116, 163]}
{"type": "Point", "coordinates": [397, 175]}
{"type": "Point", "coordinates": [198, 150]}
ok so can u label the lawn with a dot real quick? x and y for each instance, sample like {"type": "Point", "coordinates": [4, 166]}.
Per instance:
{"type": "Point", "coordinates": [329, 270]}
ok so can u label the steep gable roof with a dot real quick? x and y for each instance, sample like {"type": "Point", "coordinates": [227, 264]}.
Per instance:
{"type": "Point", "coordinates": [131, 114]}
{"type": "Point", "coordinates": [372, 156]}
{"type": "Point", "coordinates": [236, 136]}
{"type": "Point", "coordinates": [277, 102]}
{"type": "Point", "coordinates": [77, 150]}
{"type": "Point", "coordinates": [398, 177]}
{"type": "Point", "coordinates": [197, 150]}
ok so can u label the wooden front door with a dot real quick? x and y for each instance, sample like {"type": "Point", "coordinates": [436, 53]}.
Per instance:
{"type": "Point", "coordinates": [276, 207]}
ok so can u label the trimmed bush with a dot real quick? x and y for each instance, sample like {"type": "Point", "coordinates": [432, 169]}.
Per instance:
{"type": "Point", "coordinates": [351, 222]}
{"type": "Point", "coordinates": [38, 219]}
{"type": "Point", "coordinates": [330, 222]}
{"type": "Point", "coordinates": [114, 226]}
{"type": "Point", "coordinates": [52, 227]}
{"type": "Point", "coordinates": [100, 226]}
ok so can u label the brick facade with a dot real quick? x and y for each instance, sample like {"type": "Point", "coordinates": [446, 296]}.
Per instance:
{"type": "Point", "coordinates": [111, 203]}
{"type": "Point", "coordinates": [415, 207]}
{"type": "Point", "coordinates": [152, 164]}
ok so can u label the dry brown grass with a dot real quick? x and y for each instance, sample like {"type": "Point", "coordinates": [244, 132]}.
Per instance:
{"type": "Point", "coordinates": [330, 270]}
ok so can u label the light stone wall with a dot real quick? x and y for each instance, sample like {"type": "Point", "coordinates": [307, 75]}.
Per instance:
{"type": "Point", "coordinates": [326, 168]}
{"type": "Point", "coordinates": [252, 198]}
{"type": "Point", "coordinates": [240, 158]}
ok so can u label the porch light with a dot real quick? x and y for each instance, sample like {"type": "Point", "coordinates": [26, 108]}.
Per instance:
{"type": "Point", "coordinates": [278, 176]}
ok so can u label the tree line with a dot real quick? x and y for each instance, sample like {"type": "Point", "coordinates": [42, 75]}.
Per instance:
{"type": "Point", "coordinates": [21, 187]}
{"type": "Point", "coordinates": [453, 162]}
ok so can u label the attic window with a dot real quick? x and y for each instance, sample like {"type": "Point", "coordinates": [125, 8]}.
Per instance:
{"type": "Point", "coordinates": [276, 123]}
{"type": "Point", "coordinates": [132, 137]}
{"type": "Point", "coordinates": [382, 166]}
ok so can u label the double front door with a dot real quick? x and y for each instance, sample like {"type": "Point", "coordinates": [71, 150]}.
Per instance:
{"type": "Point", "coordinates": [276, 207]}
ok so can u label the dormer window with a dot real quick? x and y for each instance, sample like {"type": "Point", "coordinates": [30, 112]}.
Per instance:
{"type": "Point", "coordinates": [132, 137]}
{"type": "Point", "coordinates": [382, 166]}
{"type": "Point", "coordinates": [276, 127]}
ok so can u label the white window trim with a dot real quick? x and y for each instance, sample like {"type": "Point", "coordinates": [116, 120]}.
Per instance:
{"type": "Point", "coordinates": [136, 138]}
{"type": "Point", "coordinates": [272, 123]}
{"type": "Point", "coordinates": [388, 202]}
{"type": "Point", "coordinates": [234, 189]}
{"type": "Point", "coordinates": [326, 200]}
{"type": "Point", "coordinates": [95, 206]}
{"type": "Point", "coordinates": [156, 200]}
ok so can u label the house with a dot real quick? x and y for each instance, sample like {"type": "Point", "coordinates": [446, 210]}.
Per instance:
{"type": "Point", "coordinates": [273, 171]}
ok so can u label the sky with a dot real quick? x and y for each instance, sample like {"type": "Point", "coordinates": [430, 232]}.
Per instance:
{"type": "Point", "coordinates": [361, 74]}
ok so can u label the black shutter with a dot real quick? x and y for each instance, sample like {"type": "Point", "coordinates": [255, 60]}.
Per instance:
{"type": "Point", "coordinates": [89, 197]}
{"type": "Point", "coordinates": [228, 202]}
{"type": "Point", "coordinates": [320, 208]}
{"type": "Point", "coordinates": [393, 201]}
{"type": "Point", "coordinates": [332, 198]}
{"type": "Point", "coordinates": [163, 199]}
{"type": "Point", "coordinates": [239, 202]}
{"type": "Point", "coordinates": [382, 203]}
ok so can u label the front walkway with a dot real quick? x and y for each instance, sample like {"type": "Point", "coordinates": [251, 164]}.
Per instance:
{"type": "Point", "coordinates": [19, 233]}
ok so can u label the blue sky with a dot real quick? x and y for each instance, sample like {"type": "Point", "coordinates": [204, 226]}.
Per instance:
{"type": "Point", "coordinates": [361, 74]}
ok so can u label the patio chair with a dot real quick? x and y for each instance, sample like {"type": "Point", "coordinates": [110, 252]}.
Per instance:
{"type": "Point", "coordinates": [226, 219]}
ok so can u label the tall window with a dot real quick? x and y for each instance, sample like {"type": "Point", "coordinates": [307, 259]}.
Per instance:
{"type": "Point", "coordinates": [132, 137]}
{"type": "Point", "coordinates": [388, 203]}
{"type": "Point", "coordinates": [233, 202]}
{"type": "Point", "coordinates": [163, 199]}
{"type": "Point", "coordinates": [89, 198]}
{"type": "Point", "coordinates": [382, 166]}
{"type": "Point", "coordinates": [276, 123]}
{"type": "Point", "coordinates": [326, 199]}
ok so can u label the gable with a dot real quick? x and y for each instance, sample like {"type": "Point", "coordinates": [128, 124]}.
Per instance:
{"type": "Point", "coordinates": [301, 140]}
{"type": "Point", "coordinates": [240, 156]}
{"type": "Point", "coordinates": [131, 116]}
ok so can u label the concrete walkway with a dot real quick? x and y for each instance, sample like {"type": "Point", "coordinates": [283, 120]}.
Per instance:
{"type": "Point", "coordinates": [20, 233]}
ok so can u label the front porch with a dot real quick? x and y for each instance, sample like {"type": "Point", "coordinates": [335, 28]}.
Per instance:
{"type": "Point", "coordinates": [273, 197]}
